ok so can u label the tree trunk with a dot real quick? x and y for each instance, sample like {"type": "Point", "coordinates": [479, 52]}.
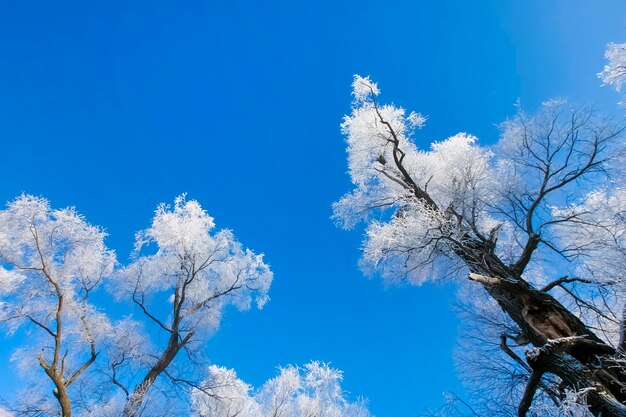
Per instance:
{"type": "Point", "coordinates": [136, 399]}
{"type": "Point", "coordinates": [60, 393]}
{"type": "Point", "coordinates": [564, 346]}
{"type": "Point", "coordinates": [574, 374]}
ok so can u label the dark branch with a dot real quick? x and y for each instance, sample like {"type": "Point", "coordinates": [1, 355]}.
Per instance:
{"type": "Point", "coordinates": [529, 393]}
{"type": "Point", "coordinates": [565, 280]}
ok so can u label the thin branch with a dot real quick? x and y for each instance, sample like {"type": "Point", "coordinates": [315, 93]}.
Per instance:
{"type": "Point", "coordinates": [506, 349]}
{"type": "Point", "coordinates": [50, 332]}
{"type": "Point", "coordinates": [565, 280]}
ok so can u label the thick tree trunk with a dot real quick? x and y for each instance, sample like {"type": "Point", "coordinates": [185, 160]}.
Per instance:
{"type": "Point", "coordinates": [60, 393]}
{"type": "Point", "coordinates": [564, 346]}
{"type": "Point", "coordinates": [553, 358]}
{"type": "Point", "coordinates": [60, 390]}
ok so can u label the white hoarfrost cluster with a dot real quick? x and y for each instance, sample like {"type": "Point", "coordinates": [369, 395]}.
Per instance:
{"type": "Point", "coordinates": [311, 391]}
{"type": "Point", "coordinates": [614, 73]}
{"type": "Point", "coordinates": [46, 254]}
{"type": "Point", "coordinates": [476, 191]}
{"type": "Point", "coordinates": [598, 231]}
{"type": "Point", "coordinates": [410, 243]}
{"type": "Point", "coordinates": [181, 248]}
{"type": "Point", "coordinates": [455, 172]}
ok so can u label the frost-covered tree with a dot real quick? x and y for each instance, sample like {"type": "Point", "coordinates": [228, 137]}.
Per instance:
{"type": "Point", "coordinates": [311, 391]}
{"type": "Point", "coordinates": [521, 220]}
{"type": "Point", "coordinates": [614, 72]}
{"type": "Point", "coordinates": [222, 394]}
{"type": "Point", "coordinates": [182, 276]}
{"type": "Point", "coordinates": [50, 263]}
{"type": "Point", "coordinates": [198, 272]}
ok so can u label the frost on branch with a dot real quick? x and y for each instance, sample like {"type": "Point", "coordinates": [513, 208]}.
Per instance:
{"type": "Point", "coordinates": [575, 404]}
{"type": "Point", "coordinates": [202, 269]}
{"type": "Point", "coordinates": [417, 257]}
{"type": "Point", "coordinates": [222, 394]}
{"type": "Point", "coordinates": [419, 204]}
{"type": "Point", "coordinates": [614, 72]}
{"type": "Point", "coordinates": [41, 247]}
{"type": "Point", "coordinates": [313, 390]}
{"type": "Point", "coordinates": [50, 263]}
{"type": "Point", "coordinates": [182, 265]}
{"type": "Point", "coordinates": [597, 233]}
{"type": "Point", "coordinates": [182, 276]}
{"type": "Point", "coordinates": [363, 88]}
{"type": "Point", "coordinates": [513, 216]}
{"type": "Point", "coordinates": [386, 167]}
{"type": "Point", "coordinates": [596, 241]}
{"type": "Point", "coordinates": [45, 254]}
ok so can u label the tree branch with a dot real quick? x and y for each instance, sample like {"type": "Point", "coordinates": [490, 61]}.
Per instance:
{"type": "Point", "coordinates": [565, 280]}
{"type": "Point", "coordinates": [506, 349]}
{"type": "Point", "coordinates": [147, 313]}
{"type": "Point", "coordinates": [44, 327]}
{"type": "Point", "coordinates": [529, 393]}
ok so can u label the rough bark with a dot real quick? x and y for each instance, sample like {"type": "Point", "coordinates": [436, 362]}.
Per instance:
{"type": "Point", "coordinates": [564, 346]}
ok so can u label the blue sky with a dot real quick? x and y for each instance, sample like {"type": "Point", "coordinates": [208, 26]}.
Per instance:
{"type": "Point", "coordinates": [116, 106]}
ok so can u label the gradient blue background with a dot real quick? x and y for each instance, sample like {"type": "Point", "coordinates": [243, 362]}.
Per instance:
{"type": "Point", "coordinates": [116, 106]}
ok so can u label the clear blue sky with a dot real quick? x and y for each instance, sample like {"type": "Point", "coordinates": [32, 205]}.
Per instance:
{"type": "Point", "coordinates": [116, 106]}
